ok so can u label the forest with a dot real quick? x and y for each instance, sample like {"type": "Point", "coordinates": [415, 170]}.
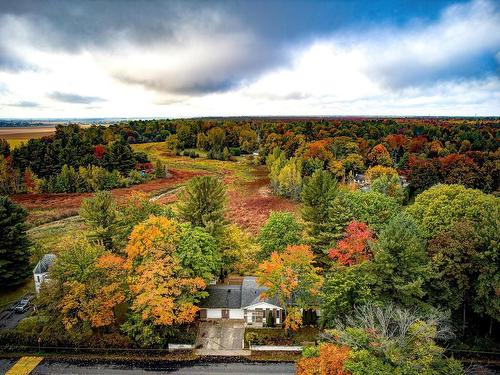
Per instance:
{"type": "Point", "coordinates": [392, 252]}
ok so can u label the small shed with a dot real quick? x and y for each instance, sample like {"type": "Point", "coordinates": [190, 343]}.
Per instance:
{"type": "Point", "coordinates": [41, 270]}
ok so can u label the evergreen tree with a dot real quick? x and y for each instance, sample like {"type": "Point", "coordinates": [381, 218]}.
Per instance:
{"type": "Point", "coordinates": [100, 215]}
{"type": "Point", "coordinates": [4, 147]}
{"type": "Point", "coordinates": [202, 203]}
{"type": "Point", "coordinates": [401, 267]}
{"type": "Point", "coordinates": [120, 157]}
{"type": "Point", "coordinates": [14, 244]}
{"type": "Point", "coordinates": [317, 194]}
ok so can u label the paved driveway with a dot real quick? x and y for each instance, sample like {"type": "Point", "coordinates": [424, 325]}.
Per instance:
{"type": "Point", "coordinates": [221, 335]}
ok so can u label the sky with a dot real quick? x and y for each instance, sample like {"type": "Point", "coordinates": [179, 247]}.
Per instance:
{"type": "Point", "coordinates": [148, 58]}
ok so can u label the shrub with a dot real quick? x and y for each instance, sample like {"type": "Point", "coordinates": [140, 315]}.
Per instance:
{"type": "Point", "coordinates": [310, 351]}
{"type": "Point", "coordinates": [308, 366]}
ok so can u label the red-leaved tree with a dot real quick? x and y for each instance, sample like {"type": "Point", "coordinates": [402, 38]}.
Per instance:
{"type": "Point", "coordinates": [353, 248]}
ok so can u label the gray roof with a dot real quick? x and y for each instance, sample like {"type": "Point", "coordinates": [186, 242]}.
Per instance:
{"type": "Point", "coordinates": [235, 296]}
{"type": "Point", "coordinates": [223, 296]}
{"type": "Point", "coordinates": [251, 292]}
{"type": "Point", "coordinates": [44, 263]}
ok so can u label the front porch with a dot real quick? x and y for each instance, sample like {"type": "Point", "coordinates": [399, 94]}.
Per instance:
{"type": "Point", "coordinates": [263, 315]}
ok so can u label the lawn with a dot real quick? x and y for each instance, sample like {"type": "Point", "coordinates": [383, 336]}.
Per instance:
{"type": "Point", "coordinates": [52, 236]}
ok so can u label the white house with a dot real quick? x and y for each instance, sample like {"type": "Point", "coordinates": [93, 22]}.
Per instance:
{"type": "Point", "coordinates": [240, 302]}
{"type": "Point", "coordinates": [41, 270]}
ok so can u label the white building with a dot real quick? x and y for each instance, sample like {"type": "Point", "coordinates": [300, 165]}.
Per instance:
{"type": "Point", "coordinates": [240, 302]}
{"type": "Point", "coordinates": [40, 272]}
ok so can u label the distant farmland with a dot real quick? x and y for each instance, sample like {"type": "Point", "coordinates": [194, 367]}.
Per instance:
{"type": "Point", "coordinates": [17, 135]}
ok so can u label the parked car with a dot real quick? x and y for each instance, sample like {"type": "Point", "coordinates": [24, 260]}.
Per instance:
{"type": "Point", "coordinates": [22, 306]}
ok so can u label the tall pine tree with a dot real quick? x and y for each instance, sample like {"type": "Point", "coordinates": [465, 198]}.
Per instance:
{"type": "Point", "coordinates": [317, 194]}
{"type": "Point", "coordinates": [14, 244]}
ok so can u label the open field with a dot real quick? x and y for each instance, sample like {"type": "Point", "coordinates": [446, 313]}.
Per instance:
{"type": "Point", "coordinates": [16, 136]}
{"type": "Point", "coordinates": [250, 200]}
{"type": "Point", "coordinates": [44, 208]}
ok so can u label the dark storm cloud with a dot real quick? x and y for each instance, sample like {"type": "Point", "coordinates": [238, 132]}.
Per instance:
{"type": "Point", "coordinates": [272, 29]}
{"type": "Point", "coordinates": [74, 98]}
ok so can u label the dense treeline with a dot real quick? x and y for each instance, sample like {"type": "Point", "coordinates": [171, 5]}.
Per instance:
{"type": "Point", "coordinates": [425, 151]}
{"type": "Point", "coordinates": [74, 159]}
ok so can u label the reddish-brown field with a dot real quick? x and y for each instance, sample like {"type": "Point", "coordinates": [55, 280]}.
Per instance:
{"type": "Point", "coordinates": [44, 208]}
{"type": "Point", "coordinates": [250, 203]}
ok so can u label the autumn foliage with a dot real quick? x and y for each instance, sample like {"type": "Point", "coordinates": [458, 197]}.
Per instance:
{"type": "Point", "coordinates": [329, 362]}
{"type": "Point", "coordinates": [293, 279]}
{"type": "Point", "coordinates": [353, 248]}
{"type": "Point", "coordinates": [160, 294]}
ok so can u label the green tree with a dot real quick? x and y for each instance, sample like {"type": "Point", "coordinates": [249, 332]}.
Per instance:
{"type": "Point", "coordinates": [317, 194]}
{"type": "Point", "coordinates": [202, 142]}
{"type": "Point", "coordinates": [10, 179]}
{"type": "Point", "coordinates": [216, 139]}
{"type": "Point", "coordinates": [136, 208]}
{"type": "Point", "coordinates": [372, 208]}
{"type": "Point", "coordinates": [344, 288]}
{"type": "Point", "coordinates": [14, 244]}
{"type": "Point", "coordinates": [390, 186]}
{"type": "Point", "coordinates": [441, 206]}
{"type": "Point", "coordinates": [99, 213]}
{"type": "Point", "coordinates": [202, 203]}
{"type": "Point", "coordinates": [248, 140]}
{"type": "Point", "coordinates": [400, 267]}
{"type": "Point", "coordinates": [290, 179]}
{"type": "Point", "coordinates": [172, 143]}
{"type": "Point", "coordinates": [185, 136]}
{"type": "Point", "coordinates": [198, 253]}
{"type": "Point", "coordinates": [119, 156]}
{"type": "Point", "coordinates": [281, 229]}
{"type": "Point", "coordinates": [394, 340]}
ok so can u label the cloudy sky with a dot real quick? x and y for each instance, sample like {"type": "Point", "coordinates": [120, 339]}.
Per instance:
{"type": "Point", "coordinates": [199, 58]}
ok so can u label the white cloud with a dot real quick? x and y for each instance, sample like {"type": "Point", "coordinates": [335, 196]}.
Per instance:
{"type": "Point", "coordinates": [202, 70]}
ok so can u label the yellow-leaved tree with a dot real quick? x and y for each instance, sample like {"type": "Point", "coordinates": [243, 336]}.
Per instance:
{"type": "Point", "coordinates": [160, 295]}
{"type": "Point", "coordinates": [292, 278]}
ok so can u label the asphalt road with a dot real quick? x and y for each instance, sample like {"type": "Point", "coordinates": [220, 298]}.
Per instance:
{"type": "Point", "coordinates": [187, 368]}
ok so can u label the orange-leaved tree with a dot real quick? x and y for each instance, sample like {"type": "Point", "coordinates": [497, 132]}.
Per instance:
{"type": "Point", "coordinates": [329, 360]}
{"type": "Point", "coordinates": [160, 295]}
{"type": "Point", "coordinates": [353, 248]}
{"type": "Point", "coordinates": [292, 278]}
{"type": "Point", "coordinates": [92, 285]}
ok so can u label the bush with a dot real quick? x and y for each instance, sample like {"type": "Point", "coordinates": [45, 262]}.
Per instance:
{"type": "Point", "coordinates": [135, 177]}
{"type": "Point", "coordinates": [235, 151]}
{"type": "Point", "coordinates": [310, 351]}
{"type": "Point", "coordinates": [32, 325]}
